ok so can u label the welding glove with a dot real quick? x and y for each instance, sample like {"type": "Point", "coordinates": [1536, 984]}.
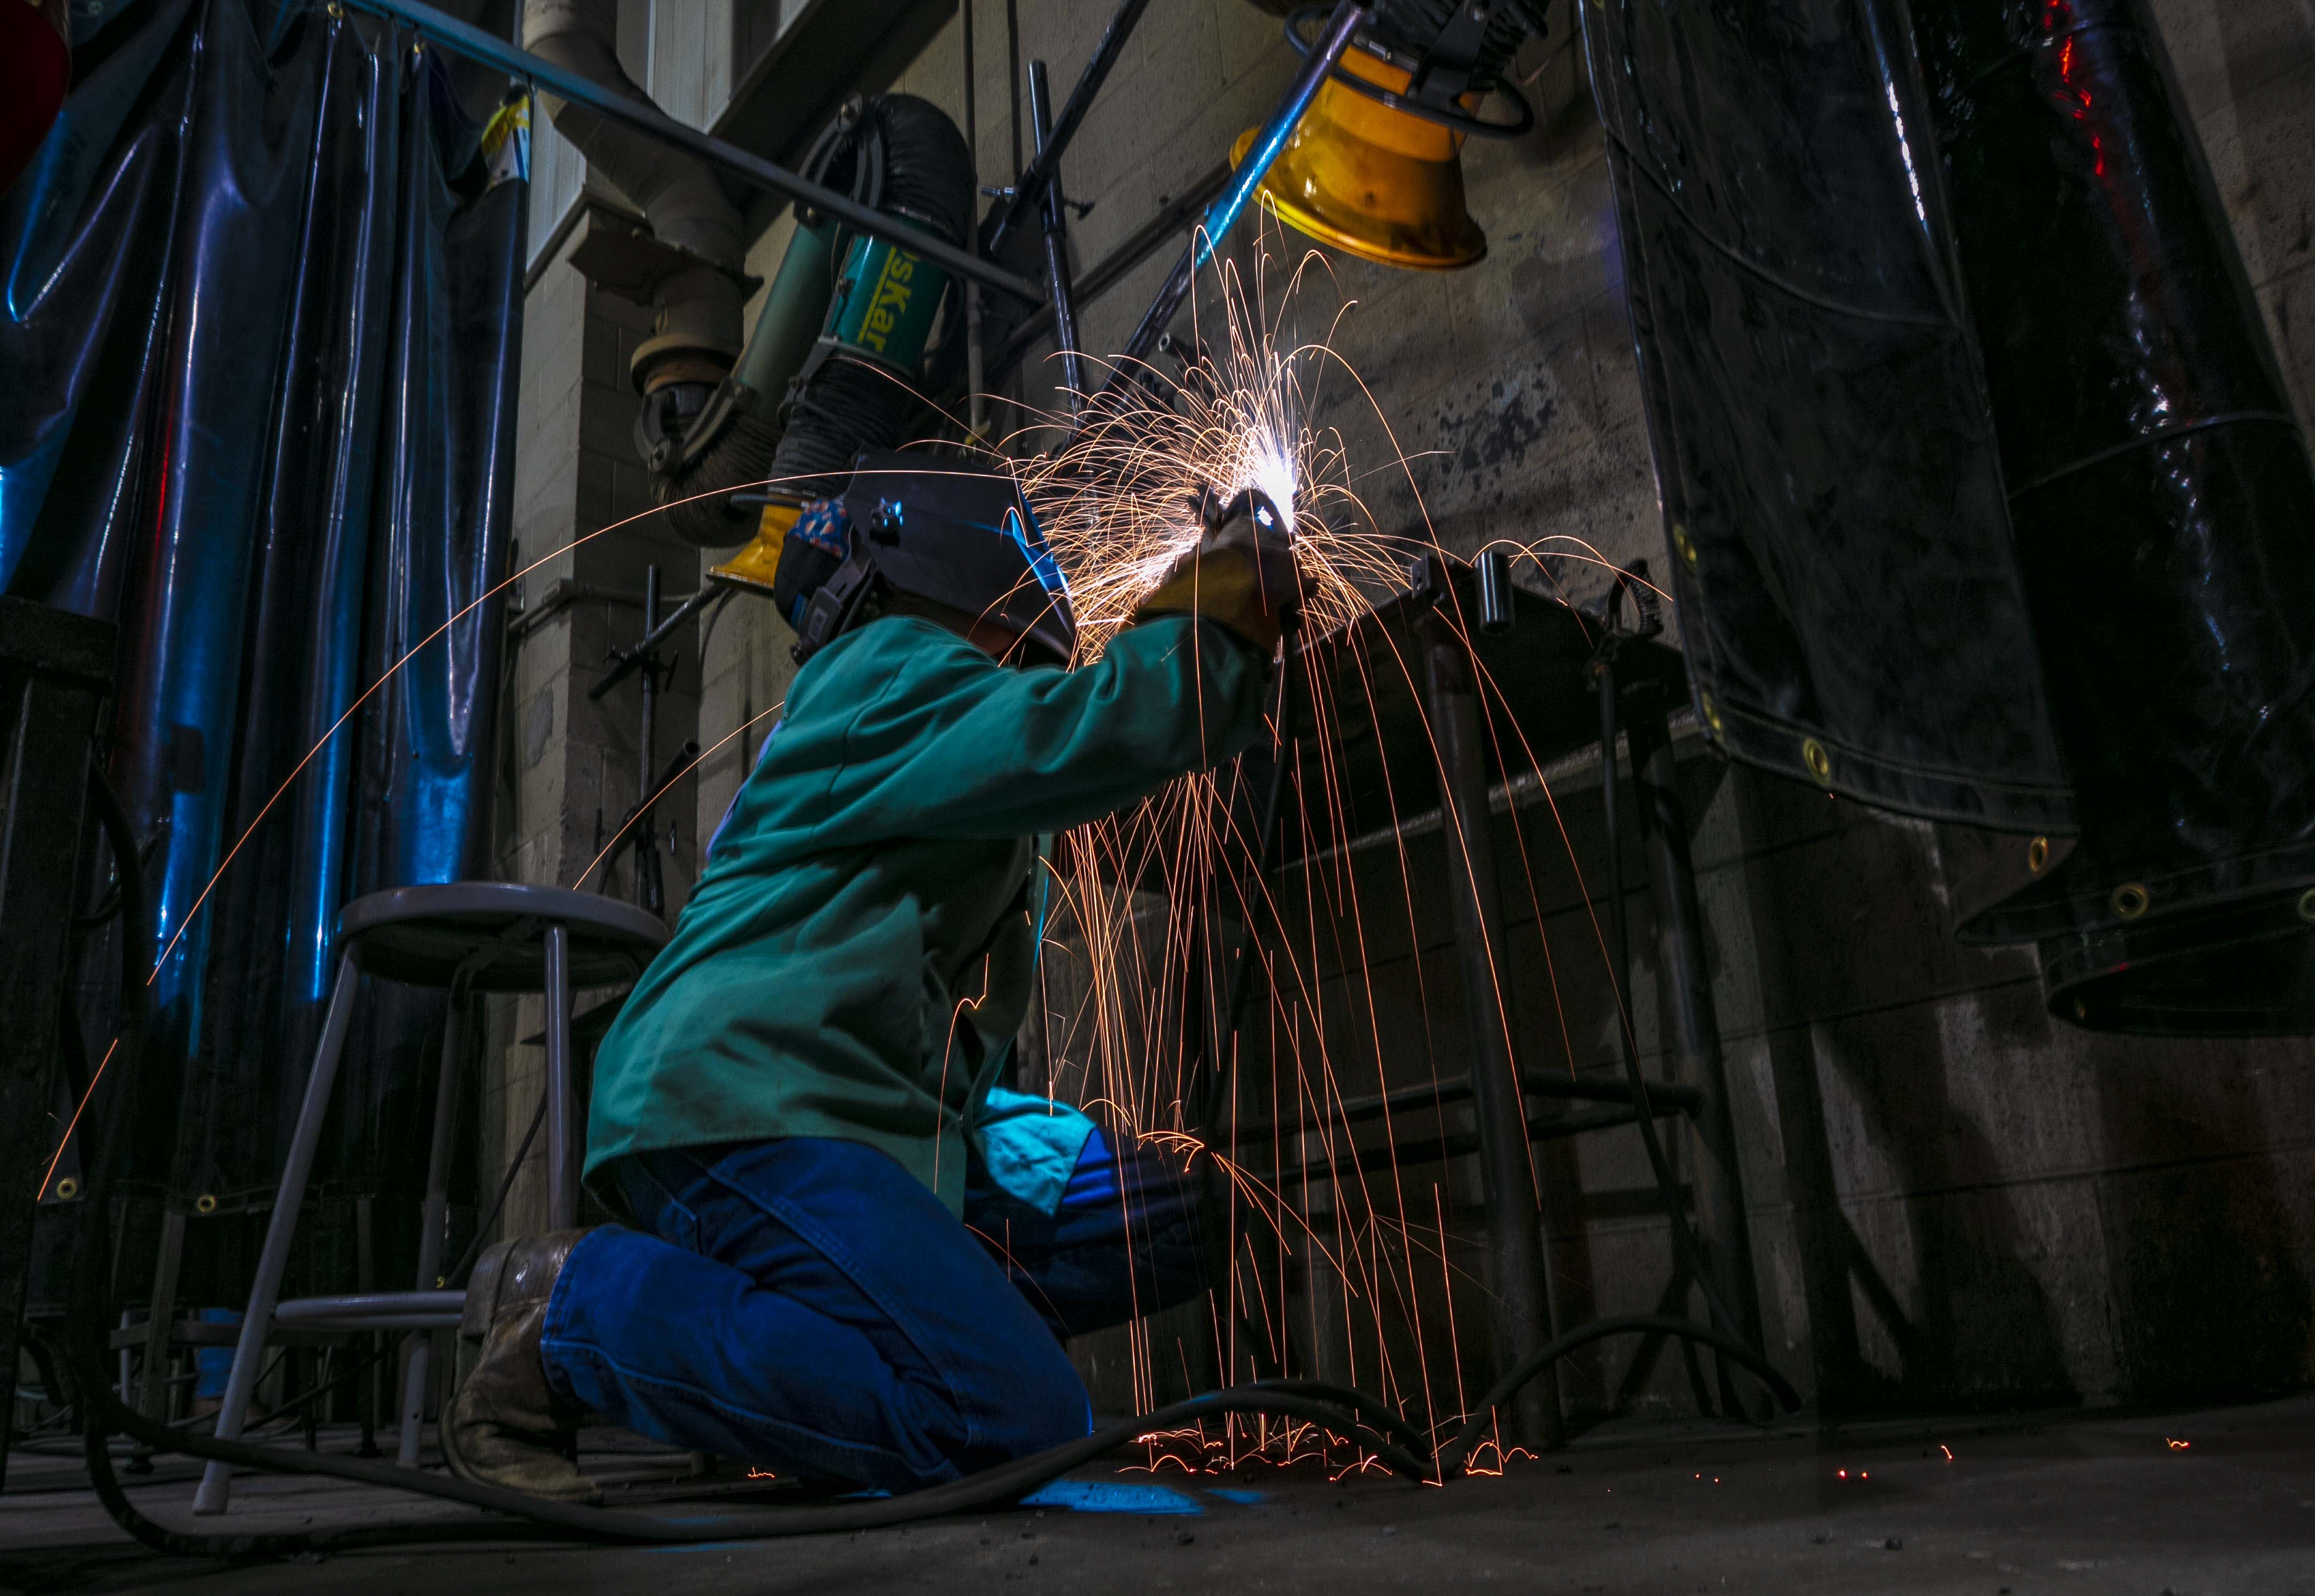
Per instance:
{"type": "Point", "coordinates": [1242, 574]}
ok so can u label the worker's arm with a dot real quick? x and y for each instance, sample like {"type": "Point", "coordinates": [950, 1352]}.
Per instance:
{"type": "Point", "coordinates": [947, 743]}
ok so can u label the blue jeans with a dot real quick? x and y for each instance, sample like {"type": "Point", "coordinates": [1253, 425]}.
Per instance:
{"type": "Point", "coordinates": [807, 1305]}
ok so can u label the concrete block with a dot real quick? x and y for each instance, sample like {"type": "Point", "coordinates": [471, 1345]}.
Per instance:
{"type": "Point", "coordinates": [2289, 304]}
{"type": "Point", "coordinates": [2262, 154]}
{"type": "Point", "coordinates": [2226, 49]}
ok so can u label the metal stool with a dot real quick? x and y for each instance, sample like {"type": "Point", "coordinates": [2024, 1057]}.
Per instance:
{"type": "Point", "coordinates": [470, 936]}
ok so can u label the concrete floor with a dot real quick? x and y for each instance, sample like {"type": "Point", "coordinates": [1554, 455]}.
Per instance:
{"type": "Point", "coordinates": [2068, 1504]}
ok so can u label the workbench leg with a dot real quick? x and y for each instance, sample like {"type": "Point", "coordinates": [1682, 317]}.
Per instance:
{"type": "Point", "coordinates": [1721, 1226]}
{"type": "Point", "coordinates": [1518, 1262]}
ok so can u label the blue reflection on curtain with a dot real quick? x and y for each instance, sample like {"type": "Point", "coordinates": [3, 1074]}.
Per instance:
{"type": "Point", "coordinates": [260, 316]}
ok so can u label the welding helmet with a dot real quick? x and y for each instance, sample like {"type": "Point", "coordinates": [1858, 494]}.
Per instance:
{"type": "Point", "coordinates": [932, 530]}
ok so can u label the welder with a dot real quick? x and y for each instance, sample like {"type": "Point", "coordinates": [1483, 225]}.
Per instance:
{"type": "Point", "coordinates": [851, 1253]}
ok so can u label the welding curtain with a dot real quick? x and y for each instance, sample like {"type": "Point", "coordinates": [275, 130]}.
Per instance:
{"type": "Point", "coordinates": [262, 291]}
{"type": "Point", "coordinates": [1985, 496]}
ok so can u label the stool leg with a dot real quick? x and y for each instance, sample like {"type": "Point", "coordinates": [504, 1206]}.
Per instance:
{"type": "Point", "coordinates": [257, 1324]}
{"type": "Point", "coordinates": [563, 1136]}
{"type": "Point", "coordinates": [431, 1219]}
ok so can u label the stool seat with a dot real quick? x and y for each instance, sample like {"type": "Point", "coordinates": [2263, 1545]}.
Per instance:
{"type": "Point", "coordinates": [421, 935]}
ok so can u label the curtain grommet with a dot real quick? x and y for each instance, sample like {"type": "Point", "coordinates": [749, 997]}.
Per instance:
{"type": "Point", "coordinates": [1683, 544]}
{"type": "Point", "coordinates": [2130, 900]}
{"type": "Point", "coordinates": [1819, 762]}
{"type": "Point", "coordinates": [67, 1188]}
{"type": "Point", "coordinates": [204, 1205]}
{"type": "Point", "coordinates": [2037, 855]}
{"type": "Point", "coordinates": [1711, 711]}
{"type": "Point", "coordinates": [2307, 904]}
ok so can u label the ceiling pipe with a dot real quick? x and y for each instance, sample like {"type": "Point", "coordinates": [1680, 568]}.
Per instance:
{"type": "Point", "coordinates": [695, 309]}
{"type": "Point", "coordinates": [465, 40]}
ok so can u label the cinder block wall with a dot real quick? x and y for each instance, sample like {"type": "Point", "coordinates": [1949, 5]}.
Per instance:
{"type": "Point", "coordinates": [1955, 1200]}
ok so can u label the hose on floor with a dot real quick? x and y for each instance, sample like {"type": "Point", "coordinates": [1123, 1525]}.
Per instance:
{"type": "Point", "coordinates": [1354, 1415]}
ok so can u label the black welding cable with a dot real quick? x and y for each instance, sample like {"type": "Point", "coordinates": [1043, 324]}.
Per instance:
{"type": "Point", "coordinates": [993, 1487]}
{"type": "Point", "coordinates": [1457, 1451]}
{"type": "Point", "coordinates": [106, 1415]}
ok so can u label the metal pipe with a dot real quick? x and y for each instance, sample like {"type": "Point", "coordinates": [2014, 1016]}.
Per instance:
{"type": "Point", "coordinates": [160, 1311]}
{"type": "Point", "coordinates": [393, 1310]}
{"type": "Point", "coordinates": [1725, 1238]}
{"type": "Point", "coordinates": [461, 39]}
{"type": "Point", "coordinates": [1515, 1239]}
{"type": "Point", "coordinates": [1057, 244]}
{"type": "Point", "coordinates": [1029, 188]}
{"type": "Point", "coordinates": [630, 660]}
{"type": "Point", "coordinates": [1496, 613]}
{"type": "Point", "coordinates": [696, 325]}
{"type": "Point", "coordinates": [1424, 1099]}
{"type": "Point", "coordinates": [648, 891]}
{"type": "Point", "coordinates": [431, 1217]}
{"type": "Point", "coordinates": [976, 351]}
{"type": "Point", "coordinates": [1408, 1155]}
{"type": "Point", "coordinates": [1620, 939]}
{"type": "Point", "coordinates": [1113, 268]}
{"type": "Point", "coordinates": [1349, 17]}
{"type": "Point", "coordinates": [273, 1257]}
{"type": "Point", "coordinates": [565, 1134]}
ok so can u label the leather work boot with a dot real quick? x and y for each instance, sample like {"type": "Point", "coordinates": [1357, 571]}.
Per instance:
{"type": "Point", "coordinates": [506, 1426]}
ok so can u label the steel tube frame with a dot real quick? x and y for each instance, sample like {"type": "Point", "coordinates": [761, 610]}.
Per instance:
{"type": "Point", "coordinates": [564, 1143]}
{"type": "Point", "coordinates": [372, 1310]}
{"type": "Point", "coordinates": [1349, 17]}
{"type": "Point", "coordinates": [417, 1357]}
{"type": "Point", "coordinates": [1030, 187]}
{"type": "Point", "coordinates": [1057, 241]}
{"type": "Point", "coordinates": [1424, 1099]}
{"type": "Point", "coordinates": [465, 40]}
{"type": "Point", "coordinates": [1516, 1273]}
{"type": "Point", "coordinates": [1723, 1232]}
{"type": "Point", "coordinates": [249, 1351]}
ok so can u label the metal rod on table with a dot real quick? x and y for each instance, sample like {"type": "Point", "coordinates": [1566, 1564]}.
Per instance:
{"type": "Point", "coordinates": [1516, 1272]}
{"type": "Point", "coordinates": [1057, 246]}
{"type": "Point", "coordinates": [1349, 17]}
{"type": "Point", "coordinates": [463, 39]}
{"type": "Point", "coordinates": [1029, 190]}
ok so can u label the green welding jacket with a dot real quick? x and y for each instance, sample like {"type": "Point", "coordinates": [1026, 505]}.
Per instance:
{"type": "Point", "coordinates": [872, 857]}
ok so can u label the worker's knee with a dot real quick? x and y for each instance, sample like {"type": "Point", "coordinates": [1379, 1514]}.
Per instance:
{"type": "Point", "coordinates": [1050, 1407]}
{"type": "Point", "coordinates": [1026, 1400]}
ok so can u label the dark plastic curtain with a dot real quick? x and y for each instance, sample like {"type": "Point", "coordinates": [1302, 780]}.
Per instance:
{"type": "Point", "coordinates": [1850, 602]}
{"type": "Point", "coordinates": [260, 341]}
{"type": "Point", "coordinates": [1985, 496]}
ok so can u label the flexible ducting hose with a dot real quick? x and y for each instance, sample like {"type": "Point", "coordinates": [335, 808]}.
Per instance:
{"type": "Point", "coordinates": [904, 157]}
{"type": "Point", "coordinates": [847, 406]}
